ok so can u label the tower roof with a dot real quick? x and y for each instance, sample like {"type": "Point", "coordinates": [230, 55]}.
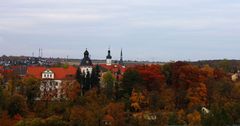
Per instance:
{"type": "Point", "coordinates": [121, 59]}
{"type": "Point", "coordinates": [86, 61]}
{"type": "Point", "coordinates": [86, 53]}
{"type": "Point", "coordinates": [109, 54]}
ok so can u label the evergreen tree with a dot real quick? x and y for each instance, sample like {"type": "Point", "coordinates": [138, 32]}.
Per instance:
{"type": "Point", "coordinates": [88, 81]}
{"type": "Point", "coordinates": [117, 92]}
{"type": "Point", "coordinates": [95, 77]}
{"type": "Point", "coordinates": [78, 75]}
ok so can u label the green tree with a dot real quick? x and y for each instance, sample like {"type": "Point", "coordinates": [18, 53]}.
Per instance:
{"type": "Point", "coordinates": [2, 100]}
{"type": "Point", "coordinates": [32, 122]}
{"type": "Point", "coordinates": [32, 90]}
{"type": "Point", "coordinates": [55, 121]}
{"type": "Point", "coordinates": [130, 78]}
{"type": "Point", "coordinates": [17, 105]}
{"type": "Point", "coordinates": [95, 77]}
{"type": "Point", "coordinates": [78, 75]}
{"type": "Point", "coordinates": [108, 81]}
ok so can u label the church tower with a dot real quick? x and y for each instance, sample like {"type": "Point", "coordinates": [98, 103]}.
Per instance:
{"type": "Point", "coordinates": [86, 65]}
{"type": "Point", "coordinates": [121, 59]}
{"type": "Point", "coordinates": [109, 58]}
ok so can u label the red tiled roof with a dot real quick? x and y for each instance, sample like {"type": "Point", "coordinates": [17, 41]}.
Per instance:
{"type": "Point", "coordinates": [1, 69]}
{"type": "Point", "coordinates": [114, 67]}
{"type": "Point", "coordinates": [59, 72]}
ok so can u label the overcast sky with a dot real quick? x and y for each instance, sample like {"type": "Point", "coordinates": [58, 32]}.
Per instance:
{"type": "Point", "coordinates": [158, 30]}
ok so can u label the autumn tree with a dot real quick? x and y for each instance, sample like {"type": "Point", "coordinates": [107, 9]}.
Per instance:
{"type": "Point", "coordinates": [139, 100]}
{"type": "Point", "coordinates": [116, 110]}
{"type": "Point", "coordinates": [152, 77]}
{"type": "Point", "coordinates": [70, 90]}
{"type": "Point", "coordinates": [194, 119]}
{"type": "Point", "coordinates": [2, 99]}
{"type": "Point", "coordinates": [91, 111]}
{"type": "Point", "coordinates": [187, 80]}
{"type": "Point", "coordinates": [13, 82]}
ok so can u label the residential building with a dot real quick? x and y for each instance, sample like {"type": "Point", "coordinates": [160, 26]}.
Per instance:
{"type": "Point", "coordinates": [52, 79]}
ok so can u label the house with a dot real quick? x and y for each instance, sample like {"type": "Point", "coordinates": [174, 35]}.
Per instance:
{"type": "Point", "coordinates": [234, 77]}
{"type": "Point", "coordinates": [52, 79]}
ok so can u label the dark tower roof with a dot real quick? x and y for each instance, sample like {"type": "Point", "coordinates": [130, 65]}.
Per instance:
{"type": "Point", "coordinates": [86, 61]}
{"type": "Point", "coordinates": [109, 54]}
{"type": "Point", "coordinates": [121, 59]}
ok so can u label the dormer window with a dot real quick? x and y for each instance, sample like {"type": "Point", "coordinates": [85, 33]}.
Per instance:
{"type": "Point", "coordinates": [48, 74]}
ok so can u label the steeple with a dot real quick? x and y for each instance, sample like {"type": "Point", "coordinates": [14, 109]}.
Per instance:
{"type": "Point", "coordinates": [121, 59]}
{"type": "Point", "coordinates": [86, 53]}
{"type": "Point", "coordinates": [109, 58]}
{"type": "Point", "coordinates": [86, 61]}
{"type": "Point", "coordinates": [109, 54]}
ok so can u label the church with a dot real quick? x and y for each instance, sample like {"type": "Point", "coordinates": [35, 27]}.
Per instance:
{"type": "Point", "coordinates": [86, 65]}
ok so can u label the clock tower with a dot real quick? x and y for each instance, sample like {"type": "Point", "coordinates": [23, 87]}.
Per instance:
{"type": "Point", "coordinates": [109, 58]}
{"type": "Point", "coordinates": [86, 65]}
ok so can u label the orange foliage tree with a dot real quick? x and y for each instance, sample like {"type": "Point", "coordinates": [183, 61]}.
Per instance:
{"type": "Point", "coordinates": [70, 89]}
{"type": "Point", "coordinates": [189, 84]}
{"type": "Point", "coordinates": [152, 76]}
{"type": "Point", "coordinates": [116, 110]}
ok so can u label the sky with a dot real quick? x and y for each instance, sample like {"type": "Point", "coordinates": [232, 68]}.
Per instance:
{"type": "Point", "coordinates": [155, 30]}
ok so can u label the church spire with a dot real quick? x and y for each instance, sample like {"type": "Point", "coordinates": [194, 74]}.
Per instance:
{"type": "Point", "coordinates": [121, 59]}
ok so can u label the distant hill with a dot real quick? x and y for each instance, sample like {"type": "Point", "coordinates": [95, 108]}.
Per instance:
{"type": "Point", "coordinates": [227, 65]}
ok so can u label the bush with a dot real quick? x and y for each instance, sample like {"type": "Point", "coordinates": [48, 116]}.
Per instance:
{"type": "Point", "coordinates": [32, 122]}
{"type": "Point", "coordinates": [55, 121]}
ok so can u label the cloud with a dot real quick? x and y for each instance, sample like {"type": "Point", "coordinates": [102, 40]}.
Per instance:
{"type": "Point", "coordinates": [136, 25]}
{"type": "Point", "coordinates": [183, 23]}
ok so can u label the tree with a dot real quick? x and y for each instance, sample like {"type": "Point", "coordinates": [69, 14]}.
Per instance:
{"type": "Point", "coordinates": [152, 77]}
{"type": "Point", "coordinates": [188, 81]}
{"type": "Point", "coordinates": [116, 110]}
{"type": "Point", "coordinates": [17, 105]}
{"type": "Point", "coordinates": [95, 78]}
{"type": "Point", "coordinates": [78, 75]}
{"type": "Point", "coordinates": [32, 122]}
{"type": "Point", "coordinates": [32, 90]}
{"type": "Point", "coordinates": [55, 121]}
{"type": "Point", "coordinates": [108, 80]}
{"type": "Point", "coordinates": [194, 119]}
{"type": "Point", "coordinates": [139, 100]}
{"type": "Point", "coordinates": [130, 78]}
{"type": "Point", "coordinates": [71, 89]}
{"type": "Point", "coordinates": [2, 99]}
{"type": "Point", "coordinates": [13, 82]}
{"type": "Point", "coordinates": [91, 112]}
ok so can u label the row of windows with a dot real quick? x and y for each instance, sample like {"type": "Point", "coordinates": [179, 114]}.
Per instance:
{"type": "Point", "coordinates": [47, 75]}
